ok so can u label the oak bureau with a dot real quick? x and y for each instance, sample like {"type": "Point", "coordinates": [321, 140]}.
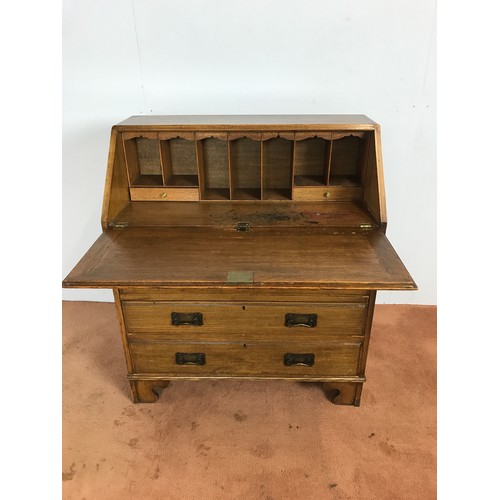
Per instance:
{"type": "Point", "coordinates": [244, 246]}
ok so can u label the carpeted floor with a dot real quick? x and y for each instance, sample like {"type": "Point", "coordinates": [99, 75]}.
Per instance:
{"type": "Point", "coordinates": [268, 440]}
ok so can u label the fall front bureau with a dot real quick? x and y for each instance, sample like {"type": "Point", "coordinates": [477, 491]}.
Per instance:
{"type": "Point", "coordinates": [244, 246]}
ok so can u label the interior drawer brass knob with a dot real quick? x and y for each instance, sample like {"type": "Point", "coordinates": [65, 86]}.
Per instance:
{"type": "Point", "coordinates": [327, 194]}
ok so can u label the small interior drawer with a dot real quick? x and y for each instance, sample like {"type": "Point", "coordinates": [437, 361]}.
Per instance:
{"type": "Point", "coordinates": [240, 321]}
{"type": "Point", "coordinates": [327, 193]}
{"type": "Point", "coordinates": [246, 359]}
{"type": "Point", "coordinates": [164, 194]}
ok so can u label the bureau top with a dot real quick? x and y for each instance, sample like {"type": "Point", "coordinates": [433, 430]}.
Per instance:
{"type": "Point", "coordinates": [260, 122]}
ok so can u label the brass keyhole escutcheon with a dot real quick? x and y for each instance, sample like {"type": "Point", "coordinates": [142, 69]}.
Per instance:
{"type": "Point", "coordinates": [164, 195]}
{"type": "Point", "coordinates": [327, 194]}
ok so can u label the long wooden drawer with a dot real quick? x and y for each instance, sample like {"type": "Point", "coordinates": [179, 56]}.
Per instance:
{"type": "Point", "coordinates": [239, 321]}
{"type": "Point", "coordinates": [246, 359]}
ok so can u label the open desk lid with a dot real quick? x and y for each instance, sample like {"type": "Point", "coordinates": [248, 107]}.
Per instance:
{"type": "Point", "coordinates": [261, 256]}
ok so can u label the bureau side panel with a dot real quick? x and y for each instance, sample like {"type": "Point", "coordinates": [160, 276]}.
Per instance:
{"type": "Point", "coordinates": [367, 333]}
{"type": "Point", "coordinates": [123, 331]}
{"type": "Point", "coordinates": [374, 190]}
{"type": "Point", "coordinates": [116, 192]}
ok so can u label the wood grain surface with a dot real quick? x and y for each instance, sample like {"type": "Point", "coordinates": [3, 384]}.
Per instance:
{"type": "Point", "coordinates": [251, 358]}
{"type": "Point", "coordinates": [249, 122]}
{"type": "Point", "coordinates": [242, 320]}
{"type": "Point", "coordinates": [138, 256]}
{"type": "Point", "coordinates": [262, 214]}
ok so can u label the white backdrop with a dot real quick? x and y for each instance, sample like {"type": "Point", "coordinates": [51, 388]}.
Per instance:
{"type": "Point", "coordinates": [123, 58]}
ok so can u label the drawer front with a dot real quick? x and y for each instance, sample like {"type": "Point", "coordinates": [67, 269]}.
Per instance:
{"type": "Point", "coordinates": [285, 360]}
{"type": "Point", "coordinates": [247, 321]}
{"type": "Point", "coordinates": [164, 194]}
{"type": "Point", "coordinates": [327, 193]}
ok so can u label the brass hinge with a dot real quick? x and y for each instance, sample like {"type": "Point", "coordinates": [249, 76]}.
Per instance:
{"type": "Point", "coordinates": [242, 226]}
{"type": "Point", "coordinates": [365, 226]}
{"type": "Point", "coordinates": [118, 225]}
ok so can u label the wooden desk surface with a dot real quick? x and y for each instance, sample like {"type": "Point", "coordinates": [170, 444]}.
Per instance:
{"type": "Point", "coordinates": [246, 120]}
{"type": "Point", "coordinates": [277, 256]}
{"type": "Point", "coordinates": [258, 213]}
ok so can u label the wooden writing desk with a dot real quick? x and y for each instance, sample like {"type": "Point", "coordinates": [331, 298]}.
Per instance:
{"type": "Point", "coordinates": [244, 246]}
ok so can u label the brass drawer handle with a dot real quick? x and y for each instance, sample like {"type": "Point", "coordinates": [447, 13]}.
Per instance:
{"type": "Point", "coordinates": [307, 320]}
{"type": "Point", "coordinates": [189, 358]}
{"type": "Point", "coordinates": [195, 319]}
{"type": "Point", "coordinates": [290, 359]}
